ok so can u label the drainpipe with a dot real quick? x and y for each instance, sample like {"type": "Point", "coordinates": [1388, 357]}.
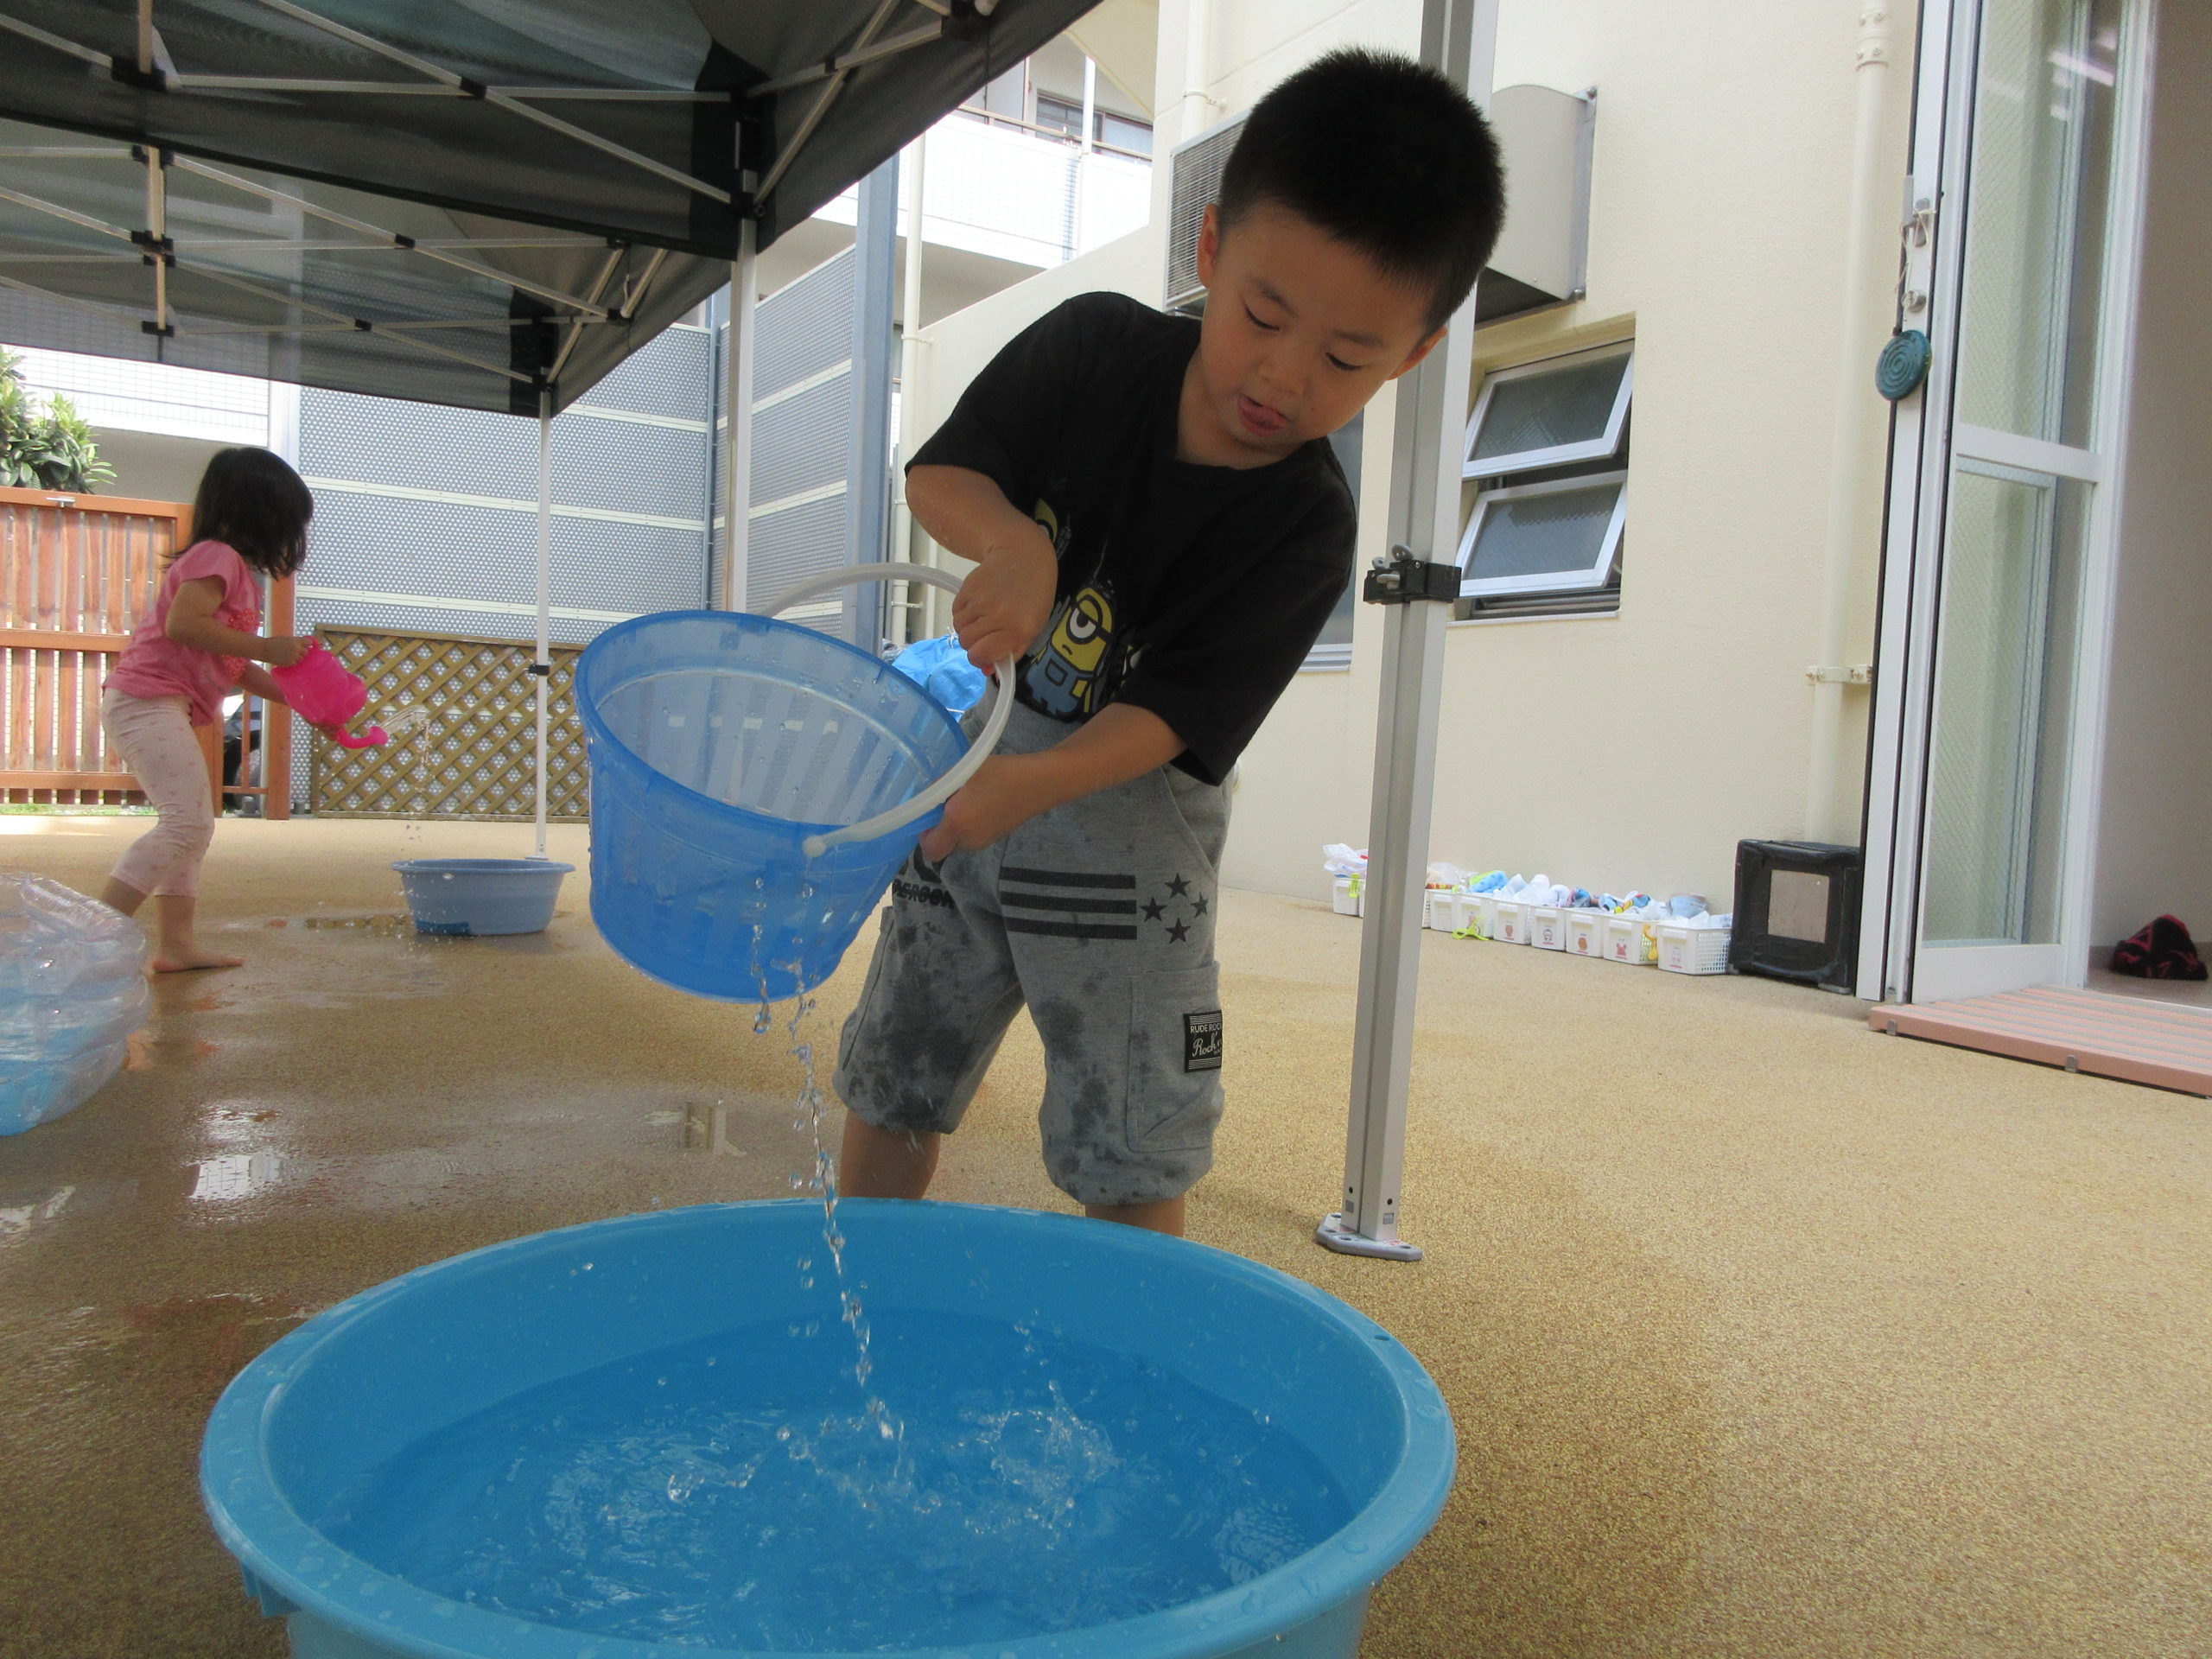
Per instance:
{"type": "Point", "coordinates": [1195, 112]}
{"type": "Point", "coordinates": [1826, 817]}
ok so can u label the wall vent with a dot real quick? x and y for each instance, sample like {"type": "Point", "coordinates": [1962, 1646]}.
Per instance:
{"type": "Point", "coordinates": [1194, 174]}
{"type": "Point", "coordinates": [1542, 256]}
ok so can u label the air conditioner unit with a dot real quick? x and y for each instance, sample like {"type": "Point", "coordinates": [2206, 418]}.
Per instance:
{"type": "Point", "coordinates": [1543, 254]}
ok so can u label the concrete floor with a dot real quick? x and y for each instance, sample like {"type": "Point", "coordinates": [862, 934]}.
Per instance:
{"type": "Point", "coordinates": [1765, 1334]}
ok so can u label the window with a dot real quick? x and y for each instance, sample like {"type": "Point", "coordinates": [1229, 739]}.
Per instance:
{"type": "Point", "coordinates": [1058, 115]}
{"type": "Point", "coordinates": [1121, 132]}
{"type": "Point", "coordinates": [1112, 131]}
{"type": "Point", "coordinates": [1547, 451]}
{"type": "Point", "coordinates": [1333, 649]}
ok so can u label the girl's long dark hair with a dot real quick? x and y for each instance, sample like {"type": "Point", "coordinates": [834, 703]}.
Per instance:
{"type": "Point", "coordinates": [249, 499]}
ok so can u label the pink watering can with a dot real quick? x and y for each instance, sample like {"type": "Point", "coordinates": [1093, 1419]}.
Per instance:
{"type": "Point", "coordinates": [322, 691]}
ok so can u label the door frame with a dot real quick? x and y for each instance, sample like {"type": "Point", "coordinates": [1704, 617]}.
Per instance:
{"type": "Point", "coordinates": [1924, 435]}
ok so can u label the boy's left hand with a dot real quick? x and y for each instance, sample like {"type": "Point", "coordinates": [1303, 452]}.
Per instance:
{"type": "Point", "coordinates": [995, 802]}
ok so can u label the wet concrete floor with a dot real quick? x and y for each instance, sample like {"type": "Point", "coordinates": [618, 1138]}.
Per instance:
{"type": "Point", "coordinates": [1764, 1334]}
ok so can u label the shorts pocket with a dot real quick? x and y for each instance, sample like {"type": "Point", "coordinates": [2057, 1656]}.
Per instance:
{"type": "Point", "coordinates": [1175, 1054]}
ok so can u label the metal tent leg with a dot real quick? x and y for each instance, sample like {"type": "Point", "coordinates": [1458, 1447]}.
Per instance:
{"type": "Point", "coordinates": [1416, 585]}
{"type": "Point", "coordinates": [737, 415]}
{"type": "Point", "coordinates": [541, 667]}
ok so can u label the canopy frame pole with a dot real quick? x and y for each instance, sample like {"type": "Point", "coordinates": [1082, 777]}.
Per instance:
{"type": "Point", "coordinates": [157, 219]}
{"type": "Point", "coordinates": [737, 415]}
{"type": "Point", "coordinates": [497, 96]}
{"type": "Point", "coordinates": [890, 47]}
{"type": "Point", "coordinates": [820, 106]}
{"type": "Point", "coordinates": [56, 42]}
{"type": "Point", "coordinates": [541, 667]}
{"type": "Point", "coordinates": [1459, 37]}
{"type": "Point", "coordinates": [458, 261]}
{"type": "Point", "coordinates": [363, 324]}
{"type": "Point", "coordinates": [615, 256]}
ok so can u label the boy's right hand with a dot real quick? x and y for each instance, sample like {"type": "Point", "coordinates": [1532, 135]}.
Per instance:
{"type": "Point", "coordinates": [1006, 600]}
{"type": "Point", "coordinates": [283, 650]}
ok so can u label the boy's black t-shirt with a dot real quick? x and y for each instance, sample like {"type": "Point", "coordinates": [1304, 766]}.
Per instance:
{"type": "Point", "coordinates": [1194, 592]}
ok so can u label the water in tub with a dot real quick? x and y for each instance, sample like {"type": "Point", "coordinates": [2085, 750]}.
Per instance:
{"type": "Point", "coordinates": [795, 1488]}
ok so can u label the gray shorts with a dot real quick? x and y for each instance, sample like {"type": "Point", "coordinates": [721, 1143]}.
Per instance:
{"type": "Point", "coordinates": [1099, 915]}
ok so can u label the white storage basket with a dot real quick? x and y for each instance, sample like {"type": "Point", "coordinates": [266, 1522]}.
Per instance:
{"type": "Point", "coordinates": [1692, 949]}
{"type": "Point", "coordinates": [1585, 934]}
{"type": "Point", "coordinates": [1547, 927]}
{"type": "Point", "coordinates": [1346, 895]}
{"type": "Point", "coordinates": [1508, 921]}
{"type": "Point", "coordinates": [1626, 941]}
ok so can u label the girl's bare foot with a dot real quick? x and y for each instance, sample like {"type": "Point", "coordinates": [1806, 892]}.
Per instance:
{"type": "Point", "coordinates": [185, 961]}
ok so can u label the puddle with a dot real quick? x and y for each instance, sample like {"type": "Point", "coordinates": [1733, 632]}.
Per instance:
{"type": "Point", "coordinates": [234, 1176]}
{"type": "Point", "coordinates": [22, 1213]}
{"type": "Point", "coordinates": [20, 1217]}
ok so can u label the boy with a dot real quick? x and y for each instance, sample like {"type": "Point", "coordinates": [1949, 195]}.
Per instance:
{"type": "Point", "coordinates": [1159, 530]}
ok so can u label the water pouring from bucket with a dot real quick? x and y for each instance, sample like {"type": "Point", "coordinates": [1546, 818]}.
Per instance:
{"type": "Point", "coordinates": [755, 785]}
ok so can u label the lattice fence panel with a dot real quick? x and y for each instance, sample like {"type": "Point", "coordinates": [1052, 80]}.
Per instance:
{"type": "Point", "coordinates": [473, 754]}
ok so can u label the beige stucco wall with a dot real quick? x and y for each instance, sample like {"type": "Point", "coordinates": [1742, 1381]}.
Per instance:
{"type": "Point", "coordinates": [1638, 749]}
{"type": "Point", "coordinates": [1635, 749]}
{"type": "Point", "coordinates": [2154, 851]}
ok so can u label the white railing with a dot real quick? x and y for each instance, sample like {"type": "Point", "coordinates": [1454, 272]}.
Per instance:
{"type": "Point", "coordinates": [1015, 193]}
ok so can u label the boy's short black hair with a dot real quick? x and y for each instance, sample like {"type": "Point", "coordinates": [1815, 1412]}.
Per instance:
{"type": "Point", "coordinates": [1381, 153]}
{"type": "Point", "coordinates": [252, 501]}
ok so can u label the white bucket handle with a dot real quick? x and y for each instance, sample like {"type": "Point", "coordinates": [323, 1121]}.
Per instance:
{"type": "Point", "coordinates": [935, 795]}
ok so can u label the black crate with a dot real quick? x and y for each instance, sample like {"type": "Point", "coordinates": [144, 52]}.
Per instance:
{"type": "Point", "coordinates": [1798, 913]}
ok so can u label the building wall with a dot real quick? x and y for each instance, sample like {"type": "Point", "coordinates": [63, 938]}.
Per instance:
{"type": "Point", "coordinates": [2155, 849]}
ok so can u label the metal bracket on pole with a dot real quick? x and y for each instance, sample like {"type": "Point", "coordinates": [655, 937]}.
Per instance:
{"type": "Point", "coordinates": [1460, 37]}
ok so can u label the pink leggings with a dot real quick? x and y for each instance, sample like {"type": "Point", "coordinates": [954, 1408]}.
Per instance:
{"type": "Point", "coordinates": [154, 736]}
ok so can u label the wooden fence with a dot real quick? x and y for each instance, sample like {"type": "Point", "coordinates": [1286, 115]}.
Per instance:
{"type": "Point", "coordinates": [76, 574]}
{"type": "Point", "coordinates": [463, 717]}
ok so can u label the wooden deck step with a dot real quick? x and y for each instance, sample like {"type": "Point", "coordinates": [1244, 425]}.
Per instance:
{"type": "Point", "coordinates": [2137, 1040]}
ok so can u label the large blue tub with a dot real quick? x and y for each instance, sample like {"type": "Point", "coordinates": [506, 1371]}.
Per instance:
{"type": "Point", "coordinates": [525, 1381]}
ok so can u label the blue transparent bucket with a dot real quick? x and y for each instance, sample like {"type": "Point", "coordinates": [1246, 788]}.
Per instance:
{"type": "Point", "coordinates": [754, 787]}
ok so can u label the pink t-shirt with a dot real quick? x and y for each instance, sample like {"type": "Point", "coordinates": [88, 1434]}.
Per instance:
{"type": "Point", "coordinates": [155, 665]}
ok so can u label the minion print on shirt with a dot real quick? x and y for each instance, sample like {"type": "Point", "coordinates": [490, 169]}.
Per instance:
{"type": "Point", "coordinates": [1071, 675]}
{"type": "Point", "coordinates": [1066, 679]}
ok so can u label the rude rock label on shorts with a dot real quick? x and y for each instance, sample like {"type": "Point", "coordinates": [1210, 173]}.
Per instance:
{"type": "Point", "coordinates": [1202, 1041]}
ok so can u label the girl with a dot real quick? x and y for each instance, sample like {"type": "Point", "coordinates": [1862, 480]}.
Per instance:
{"type": "Point", "coordinates": [250, 517]}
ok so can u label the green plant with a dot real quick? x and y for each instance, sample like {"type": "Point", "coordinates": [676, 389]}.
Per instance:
{"type": "Point", "coordinates": [49, 449]}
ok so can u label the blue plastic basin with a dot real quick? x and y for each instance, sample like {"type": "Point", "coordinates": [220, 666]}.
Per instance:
{"type": "Point", "coordinates": [473, 896]}
{"type": "Point", "coordinates": [616, 1305]}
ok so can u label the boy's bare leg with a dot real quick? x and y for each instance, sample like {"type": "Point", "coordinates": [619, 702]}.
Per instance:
{"type": "Point", "coordinates": [177, 950]}
{"type": "Point", "coordinates": [1161, 1216]}
{"type": "Point", "coordinates": [886, 1163]}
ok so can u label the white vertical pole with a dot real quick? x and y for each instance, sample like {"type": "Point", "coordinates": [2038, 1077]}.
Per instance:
{"type": "Point", "coordinates": [1090, 99]}
{"type": "Point", "coordinates": [542, 664]}
{"type": "Point", "coordinates": [737, 413]}
{"type": "Point", "coordinates": [1460, 37]}
{"type": "Point", "coordinates": [910, 365]}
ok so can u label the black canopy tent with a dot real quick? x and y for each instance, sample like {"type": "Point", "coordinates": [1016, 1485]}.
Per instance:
{"type": "Point", "coordinates": [415, 157]}
{"type": "Point", "coordinates": [488, 204]}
